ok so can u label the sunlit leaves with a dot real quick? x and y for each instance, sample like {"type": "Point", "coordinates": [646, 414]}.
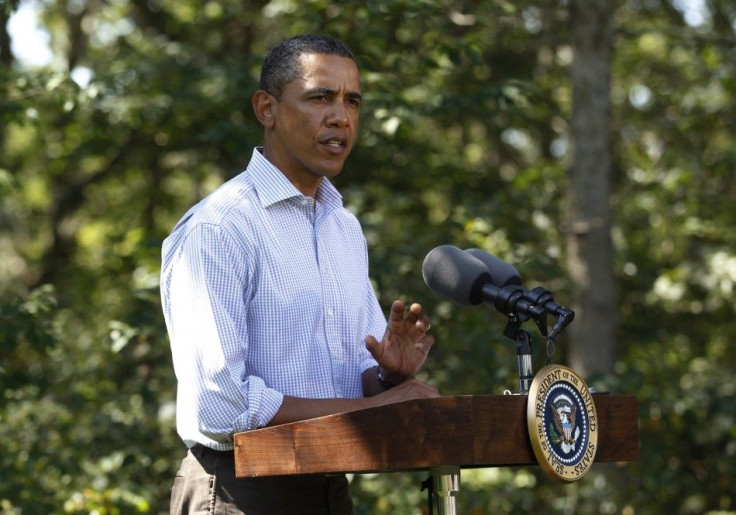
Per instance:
{"type": "Point", "coordinates": [464, 140]}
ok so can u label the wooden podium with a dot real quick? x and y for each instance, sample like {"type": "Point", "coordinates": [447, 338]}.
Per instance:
{"type": "Point", "coordinates": [441, 435]}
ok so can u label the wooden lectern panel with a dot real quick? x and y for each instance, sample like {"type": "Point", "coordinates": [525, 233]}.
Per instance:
{"type": "Point", "coordinates": [468, 431]}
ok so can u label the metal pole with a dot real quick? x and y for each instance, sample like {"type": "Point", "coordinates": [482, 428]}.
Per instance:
{"type": "Point", "coordinates": [445, 487]}
{"type": "Point", "coordinates": [524, 361]}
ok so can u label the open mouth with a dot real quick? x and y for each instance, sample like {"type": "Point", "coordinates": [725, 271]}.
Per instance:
{"type": "Point", "coordinates": [335, 144]}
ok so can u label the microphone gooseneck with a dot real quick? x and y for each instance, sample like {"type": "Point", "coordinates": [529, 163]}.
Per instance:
{"type": "Point", "coordinates": [464, 279]}
{"type": "Point", "coordinates": [503, 273]}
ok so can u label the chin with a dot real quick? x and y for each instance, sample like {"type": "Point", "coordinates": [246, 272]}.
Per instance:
{"type": "Point", "coordinates": [331, 170]}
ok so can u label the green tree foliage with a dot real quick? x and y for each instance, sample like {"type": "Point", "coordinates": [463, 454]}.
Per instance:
{"type": "Point", "coordinates": [464, 140]}
{"type": "Point", "coordinates": [674, 107]}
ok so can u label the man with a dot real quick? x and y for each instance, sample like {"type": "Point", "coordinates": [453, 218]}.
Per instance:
{"type": "Point", "coordinates": [268, 304]}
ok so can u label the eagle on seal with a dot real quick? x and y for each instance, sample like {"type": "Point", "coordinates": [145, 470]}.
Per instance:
{"type": "Point", "coordinates": [563, 415]}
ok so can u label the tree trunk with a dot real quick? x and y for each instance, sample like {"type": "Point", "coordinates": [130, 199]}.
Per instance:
{"type": "Point", "coordinates": [590, 248]}
{"type": "Point", "coordinates": [6, 61]}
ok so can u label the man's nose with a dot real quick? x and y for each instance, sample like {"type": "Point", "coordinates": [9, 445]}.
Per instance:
{"type": "Point", "coordinates": [337, 114]}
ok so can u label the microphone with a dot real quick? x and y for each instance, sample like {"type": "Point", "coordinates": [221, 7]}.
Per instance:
{"type": "Point", "coordinates": [464, 279]}
{"type": "Point", "coordinates": [538, 296]}
{"type": "Point", "coordinates": [502, 272]}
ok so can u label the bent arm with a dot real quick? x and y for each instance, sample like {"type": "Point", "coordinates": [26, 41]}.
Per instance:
{"type": "Point", "coordinates": [294, 409]}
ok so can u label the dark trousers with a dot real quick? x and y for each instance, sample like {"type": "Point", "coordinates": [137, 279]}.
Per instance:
{"type": "Point", "coordinates": [206, 483]}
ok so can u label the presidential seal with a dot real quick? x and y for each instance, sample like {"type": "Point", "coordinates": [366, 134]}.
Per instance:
{"type": "Point", "coordinates": [562, 423]}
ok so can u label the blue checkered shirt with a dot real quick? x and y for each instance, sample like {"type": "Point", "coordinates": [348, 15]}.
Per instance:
{"type": "Point", "coordinates": [265, 293]}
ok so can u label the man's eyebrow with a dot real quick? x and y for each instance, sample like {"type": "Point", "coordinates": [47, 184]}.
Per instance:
{"type": "Point", "coordinates": [355, 95]}
{"type": "Point", "coordinates": [321, 91]}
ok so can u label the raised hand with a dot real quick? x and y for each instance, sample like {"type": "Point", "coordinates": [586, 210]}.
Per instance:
{"type": "Point", "coordinates": [405, 344]}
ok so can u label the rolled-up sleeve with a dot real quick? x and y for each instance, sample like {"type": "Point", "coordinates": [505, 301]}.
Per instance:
{"type": "Point", "coordinates": [205, 294]}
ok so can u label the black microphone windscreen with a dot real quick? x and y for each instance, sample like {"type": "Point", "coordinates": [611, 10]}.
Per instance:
{"type": "Point", "coordinates": [502, 273]}
{"type": "Point", "coordinates": [455, 274]}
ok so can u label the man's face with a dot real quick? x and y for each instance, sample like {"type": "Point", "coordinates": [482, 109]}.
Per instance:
{"type": "Point", "coordinates": [316, 120]}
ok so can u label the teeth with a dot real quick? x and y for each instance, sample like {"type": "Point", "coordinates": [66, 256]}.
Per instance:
{"type": "Point", "coordinates": [334, 143]}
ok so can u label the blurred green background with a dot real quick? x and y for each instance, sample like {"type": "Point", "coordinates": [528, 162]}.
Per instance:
{"type": "Point", "coordinates": [520, 127]}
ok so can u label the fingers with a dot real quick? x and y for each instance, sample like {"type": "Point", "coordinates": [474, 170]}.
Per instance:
{"type": "Point", "coordinates": [397, 311]}
{"type": "Point", "coordinates": [376, 348]}
{"type": "Point", "coordinates": [425, 344]}
{"type": "Point", "coordinates": [416, 320]}
{"type": "Point", "coordinates": [415, 315]}
{"type": "Point", "coordinates": [423, 324]}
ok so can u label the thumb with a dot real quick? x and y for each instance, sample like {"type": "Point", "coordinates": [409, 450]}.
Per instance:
{"type": "Point", "coordinates": [374, 346]}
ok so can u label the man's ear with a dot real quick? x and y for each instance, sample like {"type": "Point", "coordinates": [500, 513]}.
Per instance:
{"type": "Point", "coordinates": [263, 104]}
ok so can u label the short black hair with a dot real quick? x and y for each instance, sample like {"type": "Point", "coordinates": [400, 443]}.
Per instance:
{"type": "Point", "coordinates": [281, 64]}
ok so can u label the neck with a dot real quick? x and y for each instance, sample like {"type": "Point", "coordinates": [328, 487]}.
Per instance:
{"type": "Point", "coordinates": [306, 183]}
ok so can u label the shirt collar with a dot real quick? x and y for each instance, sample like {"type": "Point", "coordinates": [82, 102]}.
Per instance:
{"type": "Point", "coordinates": [272, 186]}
